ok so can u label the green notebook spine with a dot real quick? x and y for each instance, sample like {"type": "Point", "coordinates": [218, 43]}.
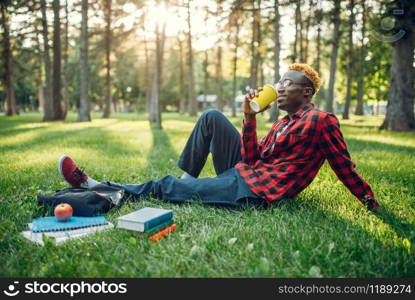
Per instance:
{"type": "Point", "coordinates": [159, 227]}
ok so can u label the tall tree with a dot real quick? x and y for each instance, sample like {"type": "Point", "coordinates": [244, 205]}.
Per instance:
{"type": "Point", "coordinates": [307, 29]}
{"type": "Point", "coordinates": [236, 27]}
{"type": "Point", "coordinates": [182, 101]}
{"type": "Point", "coordinates": [219, 76]}
{"type": "Point", "coordinates": [260, 61]}
{"type": "Point", "coordinates": [39, 83]}
{"type": "Point", "coordinates": [333, 57]}
{"type": "Point", "coordinates": [256, 27]}
{"type": "Point", "coordinates": [84, 109]}
{"type": "Point", "coordinates": [206, 62]}
{"type": "Point", "coordinates": [108, 34]}
{"type": "Point", "coordinates": [155, 109]}
{"type": "Point", "coordinates": [318, 16]}
{"type": "Point", "coordinates": [277, 50]}
{"type": "Point", "coordinates": [400, 108]}
{"type": "Point", "coordinates": [48, 116]}
{"type": "Point", "coordinates": [362, 54]}
{"type": "Point", "coordinates": [300, 29]}
{"type": "Point", "coordinates": [65, 78]}
{"type": "Point", "coordinates": [56, 90]}
{"type": "Point", "coordinates": [350, 62]}
{"type": "Point", "coordinates": [191, 88]}
{"type": "Point", "coordinates": [7, 57]}
{"type": "Point", "coordinates": [297, 18]}
{"type": "Point", "coordinates": [146, 66]}
{"type": "Point", "coordinates": [205, 77]}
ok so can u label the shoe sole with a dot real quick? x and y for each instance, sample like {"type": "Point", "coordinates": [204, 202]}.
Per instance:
{"type": "Point", "coordinates": [60, 165]}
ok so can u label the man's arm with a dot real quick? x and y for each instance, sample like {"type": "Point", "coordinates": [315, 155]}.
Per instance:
{"type": "Point", "coordinates": [249, 140]}
{"type": "Point", "coordinates": [335, 150]}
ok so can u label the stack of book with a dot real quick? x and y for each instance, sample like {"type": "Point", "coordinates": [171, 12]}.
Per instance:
{"type": "Point", "coordinates": [75, 227]}
{"type": "Point", "coordinates": [154, 222]}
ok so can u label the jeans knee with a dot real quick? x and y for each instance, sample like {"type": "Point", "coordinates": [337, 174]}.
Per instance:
{"type": "Point", "coordinates": [212, 114]}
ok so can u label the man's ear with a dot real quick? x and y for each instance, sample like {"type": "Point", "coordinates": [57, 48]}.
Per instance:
{"type": "Point", "coordinates": [308, 91]}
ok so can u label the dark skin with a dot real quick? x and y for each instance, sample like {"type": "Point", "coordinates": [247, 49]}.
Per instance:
{"type": "Point", "coordinates": [290, 99]}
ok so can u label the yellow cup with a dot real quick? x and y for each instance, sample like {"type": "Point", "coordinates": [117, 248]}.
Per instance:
{"type": "Point", "coordinates": [265, 97]}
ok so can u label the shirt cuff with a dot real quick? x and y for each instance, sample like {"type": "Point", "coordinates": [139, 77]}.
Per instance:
{"type": "Point", "coordinates": [370, 202]}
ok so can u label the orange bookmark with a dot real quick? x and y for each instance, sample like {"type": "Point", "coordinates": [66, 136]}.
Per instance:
{"type": "Point", "coordinates": [162, 233]}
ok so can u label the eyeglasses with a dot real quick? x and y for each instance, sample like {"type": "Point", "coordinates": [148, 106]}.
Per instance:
{"type": "Point", "coordinates": [288, 82]}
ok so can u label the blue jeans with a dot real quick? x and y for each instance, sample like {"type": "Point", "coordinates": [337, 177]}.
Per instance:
{"type": "Point", "coordinates": [213, 133]}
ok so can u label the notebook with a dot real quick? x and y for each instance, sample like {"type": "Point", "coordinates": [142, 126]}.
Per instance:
{"type": "Point", "coordinates": [159, 227]}
{"type": "Point", "coordinates": [144, 219]}
{"type": "Point", "coordinates": [48, 224]}
{"type": "Point", "coordinates": [63, 236]}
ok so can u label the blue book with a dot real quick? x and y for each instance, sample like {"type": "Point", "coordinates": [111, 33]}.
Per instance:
{"type": "Point", "coordinates": [48, 224]}
{"type": "Point", "coordinates": [144, 219]}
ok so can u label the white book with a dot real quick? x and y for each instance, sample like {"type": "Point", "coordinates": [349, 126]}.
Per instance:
{"type": "Point", "coordinates": [144, 219]}
{"type": "Point", "coordinates": [63, 236]}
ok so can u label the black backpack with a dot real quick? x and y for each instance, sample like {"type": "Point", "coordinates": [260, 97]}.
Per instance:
{"type": "Point", "coordinates": [86, 202]}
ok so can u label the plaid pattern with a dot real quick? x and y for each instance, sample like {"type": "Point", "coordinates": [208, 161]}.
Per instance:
{"type": "Point", "coordinates": [277, 168]}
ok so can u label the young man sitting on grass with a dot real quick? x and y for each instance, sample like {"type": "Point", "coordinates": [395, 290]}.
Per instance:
{"type": "Point", "coordinates": [280, 166]}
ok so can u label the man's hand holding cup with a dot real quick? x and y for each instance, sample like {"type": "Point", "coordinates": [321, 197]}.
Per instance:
{"type": "Point", "coordinates": [261, 101]}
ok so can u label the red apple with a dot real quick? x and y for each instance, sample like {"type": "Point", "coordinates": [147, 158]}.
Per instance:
{"type": "Point", "coordinates": [63, 212]}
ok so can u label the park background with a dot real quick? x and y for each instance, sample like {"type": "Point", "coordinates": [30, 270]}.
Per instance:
{"type": "Point", "coordinates": [118, 85]}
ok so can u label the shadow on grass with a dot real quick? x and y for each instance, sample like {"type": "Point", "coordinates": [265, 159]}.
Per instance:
{"type": "Point", "coordinates": [161, 144]}
{"type": "Point", "coordinates": [360, 144]}
{"type": "Point", "coordinates": [360, 252]}
{"type": "Point", "coordinates": [7, 123]}
{"type": "Point", "coordinates": [11, 131]}
{"type": "Point", "coordinates": [402, 228]}
{"type": "Point", "coordinates": [92, 138]}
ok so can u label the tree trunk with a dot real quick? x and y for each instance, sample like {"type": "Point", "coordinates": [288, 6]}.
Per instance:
{"type": "Point", "coordinates": [361, 82]}
{"type": "Point", "coordinates": [219, 80]}
{"type": "Point", "coordinates": [56, 91]}
{"type": "Point", "coordinates": [192, 98]}
{"type": "Point", "coordinates": [220, 103]}
{"type": "Point", "coordinates": [39, 84]}
{"type": "Point", "coordinates": [277, 49]}
{"type": "Point", "coordinates": [8, 67]}
{"type": "Point", "coordinates": [146, 71]}
{"type": "Point", "coordinates": [182, 101]}
{"type": "Point", "coordinates": [48, 116]}
{"type": "Point", "coordinates": [294, 56]}
{"type": "Point", "coordinates": [253, 82]}
{"type": "Point", "coordinates": [319, 18]}
{"type": "Point", "coordinates": [300, 32]}
{"type": "Point", "coordinates": [65, 91]}
{"type": "Point", "coordinates": [84, 110]}
{"type": "Point", "coordinates": [155, 109]}
{"type": "Point", "coordinates": [259, 61]}
{"type": "Point", "coordinates": [307, 29]}
{"type": "Point", "coordinates": [234, 67]}
{"type": "Point", "coordinates": [108, 87]}
{"type": "Point", "coordinates": [350, 63]}
{"type": "Point", "coordinates": [205, 78]}
{"type": "Point", "coordinates": [333, 58]}
{"type": "Point", "coordinates": [400, 108]}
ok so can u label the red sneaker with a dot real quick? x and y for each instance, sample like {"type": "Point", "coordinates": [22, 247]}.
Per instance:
{"type": "Point", "coordinates": [70, 172]}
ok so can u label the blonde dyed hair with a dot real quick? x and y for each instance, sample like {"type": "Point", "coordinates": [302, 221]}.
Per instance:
{"type": "Point", "coordinates": [308, 72]}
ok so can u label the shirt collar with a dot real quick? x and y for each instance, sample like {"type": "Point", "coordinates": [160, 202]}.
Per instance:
{"type": "Point", "coordinates": [299, 113]}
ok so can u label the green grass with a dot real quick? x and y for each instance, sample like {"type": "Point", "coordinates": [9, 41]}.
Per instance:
{"type": "Point", "coordinates": [324, 231]}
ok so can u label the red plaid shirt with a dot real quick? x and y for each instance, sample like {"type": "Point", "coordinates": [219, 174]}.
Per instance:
{"type": "Point", "coordinates": [277, 168]}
